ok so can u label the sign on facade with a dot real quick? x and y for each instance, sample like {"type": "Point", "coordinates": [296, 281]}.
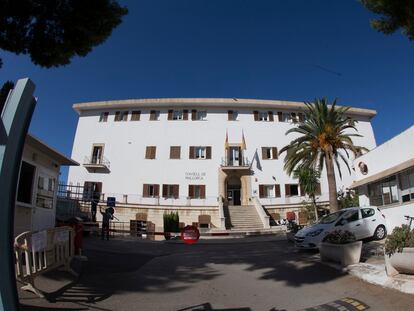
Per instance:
{"type": "Point", "coordinates": [195, 175]}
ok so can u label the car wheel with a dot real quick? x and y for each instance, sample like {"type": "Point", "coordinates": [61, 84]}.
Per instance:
{"type": "Point", "coordinates": [380, 233]}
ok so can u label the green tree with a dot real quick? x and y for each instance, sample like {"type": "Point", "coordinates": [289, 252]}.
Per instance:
{"type": "Point", "coordinates": [309, 180]}
{"type": "Point", "coordinates": [347, 199]}
{"type": "Point", "coordinates": [52, 32]}
{"type": "Point", "coordinates": [394, 15]}
{"type": "Point", "coordinates": [4, 92]}
{"type": "Point", "coordinates": [323, 140]}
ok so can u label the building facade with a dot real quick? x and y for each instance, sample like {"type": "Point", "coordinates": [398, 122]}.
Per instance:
{"type": "Point", "coordinates": [35, 207]}
{"type": "Point", "coordinates": [186, 154]}
{"type": "Point", "coordinates": [385, 178]}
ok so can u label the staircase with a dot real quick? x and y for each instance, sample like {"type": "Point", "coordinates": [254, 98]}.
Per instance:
{"type": "Point", "coordinates": [243, 218]}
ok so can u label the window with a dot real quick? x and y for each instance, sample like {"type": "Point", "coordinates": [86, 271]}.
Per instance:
{"type": "Point", "coordinates": [287, 117]}
{"type": "Point", "coordinates": [197, 191]}
{"type": "Point", "coordinates": [135, 115]}
{"type": "Point", "coordinates": [25, 187]}
{"type": "Point", "coordinates": [103, 117]}
{"type": "Point", "coordinates": [232, 115]}
{"type": "Point", "coordinates": [383, 192]}
{"type": "Point", "coordinates": [175, 152]}
{"type": "Point", "coordinates": [121, 116]}
{"type": "Point", "coordinates": [201, 115]}
{"type": "Point", "coordinates": [150, 152]}
{"type": "Point", "coordinates": [266, 191]}
{"type": "Point", "coordinates": [154, 115]}
{"type": "Point", "coordinates": [350, 216]}
{"type": "Point", "coordinates": [91, 190]}
{"type": "Point", "coordinates": [97, 154]}
{"type": "Point", "coordinates": [263, 115]}
{"type": "Point", "coordinates": [367, 212]}
{"type": "Point", "coordinates": [269, 153]}
{"type": "Point", "coordinates": [45, 191]}
{"type": "Point", "coordinates": [407, 185]}
{"type": "Point", "coordinates": [291, 190]}
{"type": "Point", "coordinates": [150, 190]}
{"type": "Point", "coordinates": [170, 191]}
{"type": "Point", "coordinates": [177, 114]}
{"type": "Point", "coordinates": [200, 152]}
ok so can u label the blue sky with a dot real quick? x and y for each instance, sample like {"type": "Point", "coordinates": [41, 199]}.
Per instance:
{"type": "Point", "coordinates": [288, 50]}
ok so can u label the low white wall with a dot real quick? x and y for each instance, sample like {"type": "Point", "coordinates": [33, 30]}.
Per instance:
{"type": "Point", "coordinates": [394, 215]}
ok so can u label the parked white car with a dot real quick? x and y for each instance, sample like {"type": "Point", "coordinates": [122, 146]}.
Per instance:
{"type": "Point", "coordinates": [364, 222]}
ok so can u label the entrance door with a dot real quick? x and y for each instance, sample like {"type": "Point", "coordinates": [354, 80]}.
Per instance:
{"type": "Point", "coordinates": [234, 191]}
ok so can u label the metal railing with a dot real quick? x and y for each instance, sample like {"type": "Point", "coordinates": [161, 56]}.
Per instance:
{"type": "Point", "coordinates": [242, 162]}
{"type": "Point", "coordinates": [96, 161]}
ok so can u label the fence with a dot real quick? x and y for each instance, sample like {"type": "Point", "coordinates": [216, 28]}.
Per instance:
{"type": "Point", "coordinates": [41, 251]}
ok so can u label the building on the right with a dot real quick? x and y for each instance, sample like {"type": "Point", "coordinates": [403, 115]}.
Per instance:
{"type": "Point", "coordinates": [385, 178]}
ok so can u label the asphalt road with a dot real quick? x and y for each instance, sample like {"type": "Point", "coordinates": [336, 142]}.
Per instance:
{"type": "Point", "coordinates": [243, 274]}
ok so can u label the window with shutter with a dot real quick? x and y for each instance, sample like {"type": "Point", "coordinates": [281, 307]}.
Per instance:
{"type": "Point", "coordinates": [294, 119]}
{"type": "Point", "coordinates": [277, 191]}
{"type": "Point", "coordinates": [270, 113]}
{"type": "Point", "coordinates": [261, 191]}
{"type": "Point", "coordinates": [274, 153]}
{"type": "Point", "coordinates": [280, 116]}
{"type": "Point", "coordinates": [135, 115]}
{"type": "Point", "coordinates": [185, 114]}
{"type": "Point", "coordinates": [256, 115]}
{"type": "Point", "coordinates": [150, 152]}
{"type": "Point", "coordinates": [104, 117]}
{"type": "Point", "coordinates": [264, 153]}
{"type": "Point", "coordinates": [202, 191]}
{"type": "Point", "coordinates": [170, 114]}
{"type": "Point", "coordinates": [230, 115]}
{"type": "Point", "coordinates": [287, 190]}
{"type": "Point", "coordinates": [145, 191]}
{"type": "Point", "coordinates": [154, 115]}
{"type": "Point", "coordinates": [191, 191]}
{"type": "Point", "coordinates": [156, 190]}
{"type": "Point", "coordinates": [208, 152]}
{"type": "Point", "coordinates": [117, 117]}
{"type": "Point", "coordinates": [175, 152]}
{"type": "Point", "coordinates": [192, 152]}
{"type": "Point", "coordinates": [194, 115]}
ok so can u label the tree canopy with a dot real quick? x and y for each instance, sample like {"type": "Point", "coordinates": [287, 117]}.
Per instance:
{"type": "Point", "coordinates": [53, 32]}
{"type": "Point", "coordinates": [394, 15]}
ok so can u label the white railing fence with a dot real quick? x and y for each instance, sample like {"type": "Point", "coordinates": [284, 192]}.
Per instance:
{"type": "Point", "coordinates": [261, 212]}
{"type": "Point", "coordinates": [41, 251]}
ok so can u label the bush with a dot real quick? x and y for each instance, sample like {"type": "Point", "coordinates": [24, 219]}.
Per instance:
{"type": "Point", "coordinates": [399, 238]}
{"type": "Point", "coordinates": [340, 237]}
{"type": "Point", "coordinates": [171, 222]}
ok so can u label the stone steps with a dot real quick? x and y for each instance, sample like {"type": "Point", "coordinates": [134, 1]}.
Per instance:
{"type": "Point", "coordinates": [244, 218]}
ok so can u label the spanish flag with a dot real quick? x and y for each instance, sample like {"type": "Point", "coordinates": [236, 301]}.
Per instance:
{"type": "Point", "coordinates": [243, 146]}
{"type": "Point", "coordinates": [226, 143]}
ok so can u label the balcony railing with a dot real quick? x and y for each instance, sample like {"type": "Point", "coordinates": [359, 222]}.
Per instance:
{"type": "Point", "coordinates": [96, 162]}
{"type": "Point", "coordinates": [241, 162]}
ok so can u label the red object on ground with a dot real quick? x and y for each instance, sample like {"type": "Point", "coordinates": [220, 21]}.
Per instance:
{"type": "Point", "coordinates": [290, 216]}
{"type": "Point", "coordinates": [190, 234]}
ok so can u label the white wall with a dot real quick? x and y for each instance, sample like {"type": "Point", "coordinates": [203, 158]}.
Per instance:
{"type": "Point", "coordinates": [125, 144]}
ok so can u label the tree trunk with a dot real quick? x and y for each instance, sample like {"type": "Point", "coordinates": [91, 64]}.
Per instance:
{"type": "Point", "coordinates": [315, 207]}
{"type": "Point", "coordinates": [333, 195]}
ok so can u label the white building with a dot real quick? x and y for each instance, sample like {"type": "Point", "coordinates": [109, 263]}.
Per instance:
{"type": "Point", "coordinates": [35, 207]}
{"type": "Point", "coordinates": [159, 154]}
{"type": "Point", "coordinates": [385, 178]}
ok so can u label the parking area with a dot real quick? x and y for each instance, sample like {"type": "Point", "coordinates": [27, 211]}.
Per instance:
{"type": "Point", "coordinates": [240, 274]}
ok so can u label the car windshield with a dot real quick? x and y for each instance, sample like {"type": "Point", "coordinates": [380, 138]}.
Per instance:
{"type": "Point", "coordinates": [331, 217]}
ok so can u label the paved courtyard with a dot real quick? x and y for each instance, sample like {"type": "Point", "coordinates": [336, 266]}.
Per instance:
{"type": "Point", "coordinates": [242, 274]}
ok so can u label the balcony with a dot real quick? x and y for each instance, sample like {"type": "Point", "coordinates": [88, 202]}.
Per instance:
{"type": "Point", "coordinates": [241, 163]}
{"type": "Point", "coordinates": [97, 165]}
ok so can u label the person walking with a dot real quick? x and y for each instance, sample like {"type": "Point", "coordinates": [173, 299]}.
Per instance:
{"type": "Point", "coordinates": [107, 216]}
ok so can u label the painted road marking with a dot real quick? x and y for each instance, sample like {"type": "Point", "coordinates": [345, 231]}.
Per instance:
{"type": "Point", "coordinates": [344, 304]}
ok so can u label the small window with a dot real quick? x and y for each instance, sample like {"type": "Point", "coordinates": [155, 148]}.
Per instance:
{"type": "Point", "coordinates": [135, 115]}
{"type": "Point", "coordinates": [266, 191]}
{"type": "Point", "coordinates": [201, 115]}
{"type": "Point", "coordinates": [367, 212]}
{"type": "Point", "coordinates": [200, 152]}
{"type": "Point", "coordinates": [97, 155]}
{"type": "Point", "coordinates": [351, 216]}
{"type": "Point", "coordinates": [150, 190]}
{"type": "Point", "coordinates": [263, 116]}
{"type": "Point", "coordinates": [177, 115]}
{"type": "Point", "coordinates": [287, 117]}
{"type": "Point", "coordinates": [26, 179]}
{"type": "Point", "coordinates": [170, 191]}
{"type": "Point", "coordinates": [154, 115]}
{"type": "Point", "coordinates": [46, 191]}
{"type": "Point", "coordinates": [103, 117]}
{"type": "Point", "coordinates": [121, 116]}
{"type": "Point", "coordinates": [269, 153]}
{"type": "Point", "coordinates": [175, 152]}
{"type": "Point", "coordinates": [291, 190]}
{"type": "Point", "coordinates": [232, 115]}
{"type": "Point", "coordinates": [197, 191]}
{"type": "Point", "coordinates": [150, 152]}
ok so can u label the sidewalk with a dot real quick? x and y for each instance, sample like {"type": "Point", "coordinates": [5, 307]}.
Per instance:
{"type": "Point", "coordinates": [371, 269]}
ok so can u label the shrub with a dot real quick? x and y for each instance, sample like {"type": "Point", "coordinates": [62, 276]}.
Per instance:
{"type": "Point", "coordinates": [399, 238]}
{"type": "Point", "coordinates": [171, 222]}
{"type": "Point", "coordinates": [340, 237]}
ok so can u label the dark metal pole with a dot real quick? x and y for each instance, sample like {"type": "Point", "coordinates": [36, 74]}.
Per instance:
{"type": "Point", "coordinates": [15, 121]}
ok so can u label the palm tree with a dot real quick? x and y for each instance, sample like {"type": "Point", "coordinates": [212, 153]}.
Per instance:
{"type": "Point", "coordinates": [309, 180]}
{"type": "Point", "coordinates": [323, 140]}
